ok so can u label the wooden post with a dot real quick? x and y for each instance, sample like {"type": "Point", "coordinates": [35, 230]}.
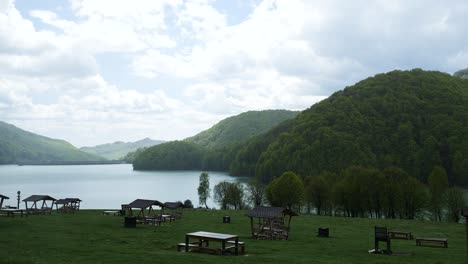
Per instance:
{"type": "Point", "coordinates": [18, 197]}
{"type": "Point", "coordinates": [252, 227]}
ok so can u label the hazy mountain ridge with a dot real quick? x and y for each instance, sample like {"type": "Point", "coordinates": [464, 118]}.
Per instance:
{"type": "Point", "coordinates": [120, 149]}
{"type": "Point", "coordinates": [18, 146]}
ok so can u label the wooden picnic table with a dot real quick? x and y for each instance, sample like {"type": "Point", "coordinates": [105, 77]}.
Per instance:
{"type": "Point", "coordinates": [203, 236]}
{"type": "Point", "coordinates": [11, 212]}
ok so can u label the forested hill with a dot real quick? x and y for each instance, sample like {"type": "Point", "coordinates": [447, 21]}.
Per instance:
{"type": "Point", "coordinates": [212, 149]}
{"type": "Point", "coordinates": [18, 146]}
{"type": "Point", "coordinates": [241, 127]}
{"type": "Point", "coordinates": [462, 73]}
{"type": "Point", "coordinates": [119, 149]}
{"type": "Point", "coordinates": [410, 119]}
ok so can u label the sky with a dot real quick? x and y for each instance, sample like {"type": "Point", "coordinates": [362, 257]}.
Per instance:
{"type": "Point", "coordinates": [98, 71]}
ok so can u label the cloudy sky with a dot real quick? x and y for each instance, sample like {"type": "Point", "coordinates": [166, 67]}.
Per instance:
{"type": "Point", "coordinates": [98, 71]}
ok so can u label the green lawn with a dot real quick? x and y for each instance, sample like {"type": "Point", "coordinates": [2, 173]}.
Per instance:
{"type": "Point", "coordinates": [89, 237]}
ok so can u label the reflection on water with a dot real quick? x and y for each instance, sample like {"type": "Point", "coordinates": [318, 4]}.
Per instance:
{"type": "Point", "coordinates": [103, 186]}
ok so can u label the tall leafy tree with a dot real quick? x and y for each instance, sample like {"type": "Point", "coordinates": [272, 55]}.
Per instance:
{"type": "Point", "coordinates": [204, 189]}
{"type": "Point", "coordinates": [438, 184]}
{"type": "Point", "coordinates": [256, 192]}
{"type": "Point", "coordinates": [286, 191]}
{"type": "Point", "coordinates": [454, 202]}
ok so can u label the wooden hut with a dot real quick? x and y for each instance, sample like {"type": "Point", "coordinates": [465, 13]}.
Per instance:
{"type": "Point", "coordinates": [174, 209]}
{"type": "Point", "coordinates": [41, 199]}
{"type": "Point", "coordinates": [271, 222]}
{"type": "Point", "coordinates": [2, 198]}
{"type": "Point", "coordinates": [146, 212]}
{"type": "Point", "coordinates": [68, 205]}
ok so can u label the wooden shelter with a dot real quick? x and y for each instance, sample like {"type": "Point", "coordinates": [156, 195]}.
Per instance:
{"type": "Point", "coordinates": [272, 222]}
{"type": "Point", "coordinates": [146, 205]}
{"type": "Point", "coordinates": [68, 205]}
{"type": "Point", "coordinates": [174, 209]}
{"type": "Point", "coordinates": [35, 199]}
{"type": "Point", "coordinates": [2, 198]}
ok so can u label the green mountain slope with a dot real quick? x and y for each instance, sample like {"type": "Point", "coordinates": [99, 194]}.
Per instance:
{"type": "Point", "coordinates": [241, 127]}
{"type": "Point", "coordinates": [119, 149]}
{"type": "Point", "coordinates": [212, 149]}
{"type": "Point", "coordinates": [410, 119]}
{"type": "Point", "coordinates": [19, 146]}
{"type": "Point", "coordinates": [461, 73]}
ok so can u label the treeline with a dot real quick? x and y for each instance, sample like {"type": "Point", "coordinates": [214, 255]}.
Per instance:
{"type": "Point", "coordinates": [354, 192]}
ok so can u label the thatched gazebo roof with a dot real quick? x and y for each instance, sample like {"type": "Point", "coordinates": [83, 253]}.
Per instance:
{"type": "Point", "coordinates": [269, 212]}
{"type": "Point", "coordinates": [4, 197]}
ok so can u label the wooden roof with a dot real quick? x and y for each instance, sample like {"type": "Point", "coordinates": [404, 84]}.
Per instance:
{"type": "Point", "coordinates": [4, 197]}
{"type": "Point", "coordinates": [465, 211]}
{"type": "Point", "coordinates": [142, 203]}
{"type": "Point", "coordinates": [35, 198]}
{"type": "Point", "coordinates": [173, 205]}
{"type": "Point", "coordinates": [269, 212]}
{"type": "Point", "coordinates": [67, 200]}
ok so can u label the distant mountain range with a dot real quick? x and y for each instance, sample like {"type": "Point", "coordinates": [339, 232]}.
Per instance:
{"type": "Point", "coordinates": [18, 146]}
{"type": "Point", "coordinates": [119, 149]}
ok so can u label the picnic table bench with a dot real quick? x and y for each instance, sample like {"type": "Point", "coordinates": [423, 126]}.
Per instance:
{"type": "Point", "coordinates": [395, 234]}
{"type": "Point", "coordinates": [432, 242]}
{"type": "Point", "coordinates": [12, 212]}
{"type": "Point", "coordinates": [229, 243]}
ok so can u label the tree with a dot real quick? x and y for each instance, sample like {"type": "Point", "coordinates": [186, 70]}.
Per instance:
{"type": "Point", "coordinates": [228, 194]}
{"type": "Point", "coordinates": [221, 194]}
{"type": "Point", "coordinates": [318, 192]}
{"type": "Point", "coordinates": [455, 202]}
{"type": "Point", "coordinates": [286, 191]}
{"type": "Point", "coordinates": [188, 204]}
{"type": "Point", "coordinates": [256, 192]}
{"type": "Point", "coordinates": [438, 184]}
{"type": "Point", "coordinates": [204, 189]}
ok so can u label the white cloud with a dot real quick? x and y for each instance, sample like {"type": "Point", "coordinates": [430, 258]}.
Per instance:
{"type": "Point", "coordinates": [282, 54]}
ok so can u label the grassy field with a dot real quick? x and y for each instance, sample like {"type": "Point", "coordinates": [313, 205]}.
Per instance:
{"type": "Point", "coordinates": [89, 237]}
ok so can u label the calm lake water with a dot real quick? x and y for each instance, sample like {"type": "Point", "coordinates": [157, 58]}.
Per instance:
{"type": "Point", "coordinates": [103, 186]}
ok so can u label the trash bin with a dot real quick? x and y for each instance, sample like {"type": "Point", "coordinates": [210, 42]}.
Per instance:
{"type": "Point", "coordinates": [323, 232]}
{"type": "Point", "coordinates": [226, 219]}
{"type": "Point", "coordinates": [130, 222]}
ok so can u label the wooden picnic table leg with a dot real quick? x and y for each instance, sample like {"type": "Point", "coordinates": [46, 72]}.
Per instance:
{"type": "Point", "coordinates": [237, 246]}
{"type": "Point", "coordinates": [186, 243]}
{"type": "Point", "coordinates": [223, 247]}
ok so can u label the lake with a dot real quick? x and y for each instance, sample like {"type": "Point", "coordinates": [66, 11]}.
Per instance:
{"type": "Point", "coordinates": [104, 186]}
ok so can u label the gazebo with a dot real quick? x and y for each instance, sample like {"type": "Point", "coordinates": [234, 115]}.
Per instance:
{"type": "Point", "coordinates": [272, 222]}
{"type": "Point", "coordinates": [2, 198]}
{"type": "Point", "coordinates": [69, 205]}
{"type": "Point", "coordinates": [43, 209]}
{"type": "Point", "coordinates": [175, 209]}
{"type": "Point", "coordinates": [143, 205]}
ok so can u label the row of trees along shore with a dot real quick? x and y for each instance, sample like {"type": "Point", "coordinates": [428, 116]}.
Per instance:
{"type": "Point", "coordinates": [354, 192]}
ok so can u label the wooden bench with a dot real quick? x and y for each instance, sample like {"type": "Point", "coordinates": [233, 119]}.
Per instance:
{"type": "Point", "coordinates": [431, 242]}
{"type": "Point", "coordinates": [240, 244]}
{"type": "Point", "coordinates": [197, 245]}
{"type": "Point", "coordinates": [393, 234]}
